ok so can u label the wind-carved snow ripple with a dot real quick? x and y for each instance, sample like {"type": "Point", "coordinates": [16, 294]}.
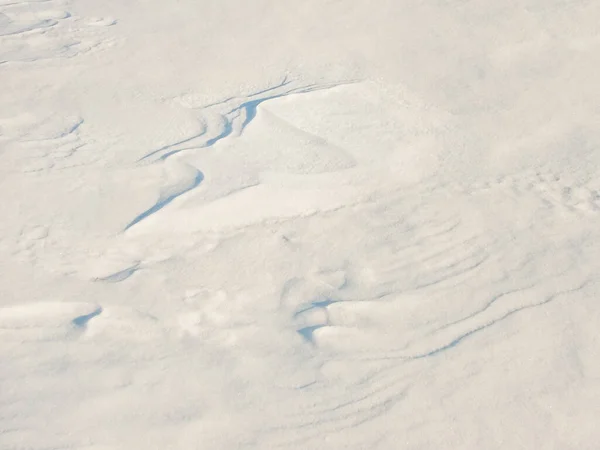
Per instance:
{"type": "Point", "coordinates": [224, 119]}
{"type": "Point", "coordinates": [408, 281]}
{"type": "Point", "coordinates": [36, 30]}
{"type": "Point", "coordinates": [421, 279]}
{"type": "Point", "coordinates": [416, 262]}
{"type": "Point", "coordinates": [230, 117]}
{"type": "Point", "coordinates": [34, 143]}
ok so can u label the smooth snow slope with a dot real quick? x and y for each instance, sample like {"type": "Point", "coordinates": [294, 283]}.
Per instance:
{"type": "Point", "coordinates": [299, 225]}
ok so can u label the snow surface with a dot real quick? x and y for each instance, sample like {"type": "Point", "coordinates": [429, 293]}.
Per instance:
{"type": "Point", "coordinates": [299, 225]}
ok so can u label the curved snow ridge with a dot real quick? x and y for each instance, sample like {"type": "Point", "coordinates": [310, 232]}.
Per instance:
{"type": "Point", "coordinates": [46, 320]}
{"type": "Point", "coordinates": [230, 117]}
{"type": "Point", "coordinates": [448, 337]}
{"type": "Point", "coordinates": [14, 24]}
{"type": "Point", "coordinates": [119, 275]}
{"type": "Point", "coordinates": [257, 203]}
{"type": "Point", "coordinates": [512, 304]}
{"type": "Point", "coordinates": [184, 178]}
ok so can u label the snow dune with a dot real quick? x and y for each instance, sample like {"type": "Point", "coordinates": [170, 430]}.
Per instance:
{"type": "Point", "coordinates": [257, 225]}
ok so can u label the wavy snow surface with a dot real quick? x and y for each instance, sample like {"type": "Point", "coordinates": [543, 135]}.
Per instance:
{"type": "Point", "coordinates": [258, 225]}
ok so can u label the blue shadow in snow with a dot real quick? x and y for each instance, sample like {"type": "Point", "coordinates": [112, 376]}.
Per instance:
{"type": "Point", "coordinates": [82, 321]}
{"type": "Point", "coordinates": [164, 202]}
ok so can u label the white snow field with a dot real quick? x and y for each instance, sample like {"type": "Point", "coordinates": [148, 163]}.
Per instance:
{"type": "Point", "coordinates": [299, 225]}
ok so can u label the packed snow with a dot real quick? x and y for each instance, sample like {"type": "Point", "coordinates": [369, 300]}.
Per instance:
{"type": "Point", "coordinates": [299, 225]}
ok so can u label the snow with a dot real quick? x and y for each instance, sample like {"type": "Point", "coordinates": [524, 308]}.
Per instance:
{"type": "Point", "coordinates": [263, 225]}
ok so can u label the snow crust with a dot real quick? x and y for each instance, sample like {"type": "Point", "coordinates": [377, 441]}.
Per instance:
{"type": "Point", "coordinates": [299, 225]}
